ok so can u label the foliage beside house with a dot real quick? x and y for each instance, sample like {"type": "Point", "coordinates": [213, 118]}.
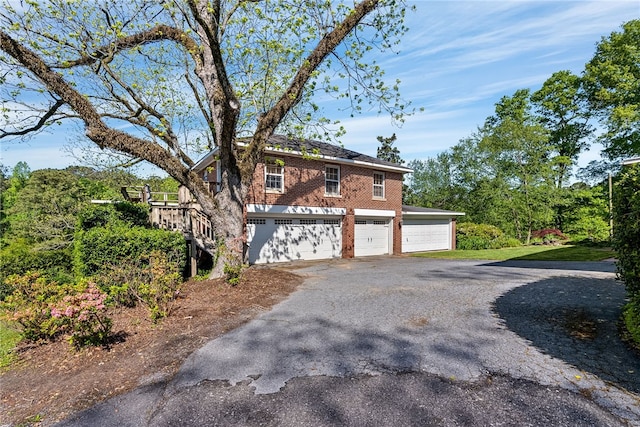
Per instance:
{"type": "Point", "coordinates": [626, 241]}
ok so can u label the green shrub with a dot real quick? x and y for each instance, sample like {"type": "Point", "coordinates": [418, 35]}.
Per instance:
{"type": "Point", "coordinates": [46, 310]}
{"type": "Point", "coordinates": [626, 242]}
{"type": "Point", "coordinates": [19, 257]}
{"type": "Point", "coordinates": [631, 319]}
{"type": "Point", "coordinates": [505, 242]}
{"type": "Point", "coordinates": [589, 230]}
{"type": "Point", "coordinates": [97, 249]}
{"type": "Point", "coordinates": [132, 214]}
{"type": "Point", "coordinates": [472, 236]}
{"type": "Point", "coordinates": [135, 214]}
{"type": "Point", "coordinates": [153, 281]}
{"type": "Point", "coordinates": [29, 305]}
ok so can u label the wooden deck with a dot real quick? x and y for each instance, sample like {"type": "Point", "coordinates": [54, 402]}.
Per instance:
{"type": "Point", "coordinates": [177, 212]}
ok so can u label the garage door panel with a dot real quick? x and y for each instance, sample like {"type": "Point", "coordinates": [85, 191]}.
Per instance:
{"type": "Point", "coordinates": [274, 241]}
{"type": "Point", "coordinates": [371, 237]}
{"type": "Point", "coordinates": [426, 235]}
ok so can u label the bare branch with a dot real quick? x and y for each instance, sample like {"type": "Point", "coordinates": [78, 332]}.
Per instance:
{"type": "Point", "coordinates": [42, 122]}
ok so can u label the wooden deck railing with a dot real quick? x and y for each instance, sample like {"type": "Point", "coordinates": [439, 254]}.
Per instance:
{"type": "Point", "coordinates": [188, 219]}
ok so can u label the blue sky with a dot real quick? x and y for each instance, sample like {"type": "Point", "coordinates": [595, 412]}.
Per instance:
{"type": "Point", "coordinates": [458, 59]}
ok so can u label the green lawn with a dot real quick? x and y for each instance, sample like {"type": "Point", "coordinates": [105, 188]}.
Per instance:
{"type": "Point", "coordinates": [529, 253]}
{"type": "Point", "coordinates": [9, 337]}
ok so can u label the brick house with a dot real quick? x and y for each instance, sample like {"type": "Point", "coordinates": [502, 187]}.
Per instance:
{"type": "Point", "coordinates": [312, 200]}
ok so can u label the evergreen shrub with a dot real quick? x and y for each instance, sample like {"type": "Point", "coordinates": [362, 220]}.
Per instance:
{"type": "Point", "coordinates": [97, 249]}
{"type": "Point", "coordinates": [626, 242]}
{"type": "Point", "coordinates": [470, 236]}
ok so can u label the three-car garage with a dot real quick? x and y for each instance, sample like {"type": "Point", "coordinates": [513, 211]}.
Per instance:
{"type": "Point", "coordinates": [289, 233]}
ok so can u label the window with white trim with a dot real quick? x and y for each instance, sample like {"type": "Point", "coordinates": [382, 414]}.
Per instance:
{"type": "Point", "coordinates": [274, 175]}
{"type": "Point", "coordinates": [283, 221]}
{"type": "Point", "coordinates": [332, 180]}
{"type": "Point", "coordinates": [331, 222]}
{"type": "Point", "coordinates": [378, 185]}
{"type": "Point", "coordinates": [307, 222]}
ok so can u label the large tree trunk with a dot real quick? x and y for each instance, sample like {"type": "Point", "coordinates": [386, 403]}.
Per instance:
{"type": "Point", "coordinates": [228, 220]}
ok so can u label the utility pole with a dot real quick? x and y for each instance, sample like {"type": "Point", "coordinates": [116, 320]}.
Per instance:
{"type": "Point", "coordinates": [610, 207]}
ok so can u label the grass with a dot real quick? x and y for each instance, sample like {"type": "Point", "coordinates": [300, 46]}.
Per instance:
{"type": "Point", "coordinates": [529, 253]}
{"type": "Point", "coordinates": [9, 337]}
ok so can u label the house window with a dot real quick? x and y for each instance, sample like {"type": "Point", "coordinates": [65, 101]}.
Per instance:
{"type": "Point", "coordinates": [274, 175]}
{"type": "Point", "coordinates": [332, 180]}
{"type": "Point", "coordinates": [284, 221]}
{"type": "Point", "coordinates": [378, 185]}
{"type": "Point", "coordinates": [256, 221]}
{"type": "Point", "coordinates": [307, 221]}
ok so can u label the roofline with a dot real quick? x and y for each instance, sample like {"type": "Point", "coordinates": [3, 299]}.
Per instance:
{"type": "Point", "coordinates": [206, 160]}
{"type": "Point", "coordinates": [333, 159]}
{"type": "Point", "coordinates": [441, 213]}
{"type": "Point", "coordinates": [631, 161]}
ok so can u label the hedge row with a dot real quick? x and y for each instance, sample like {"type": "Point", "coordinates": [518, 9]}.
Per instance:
{"type": "Point", "coordinates": [626, 241]}
{"type": "Point", "coordinates": [101, 247]}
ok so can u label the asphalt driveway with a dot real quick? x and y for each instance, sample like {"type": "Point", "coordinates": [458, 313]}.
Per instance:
{"type": "Point", "coordinates": [408, 341]}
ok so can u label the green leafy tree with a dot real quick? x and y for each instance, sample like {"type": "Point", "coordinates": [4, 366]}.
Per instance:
{"type": "Point", "coordinates": [561, 103]}
{"type": "Point", "coordinates": [519, 153]}
{"type": "Point", "coordinates": [585, 212]}
{"type": "Point", "coordinates": [432, 183]}
{"type": "Point", "coordinates": [387, 151]}
{"type": "Point", "coordinates": [44, 211]}
{"type": "Point", "coordinates": [193, 74]}
{"type": "Point", "coordinates": [11, 186]}
{"type": "Point", "coordinates": [612, 82]}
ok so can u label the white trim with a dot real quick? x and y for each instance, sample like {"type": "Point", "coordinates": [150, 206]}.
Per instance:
{"type": "Point", "coordinates": [276, 163]}
{"type": "Point", "coordinates": [334, 181]}
{"type": "Point", "coordinates": [375, 213]}
{"type": "Point", "coordinates": [631, 161]}
{"type": "Point", "coordinates": [293, 210]}
{"type": "Point", "coordinates": [205, 161]}
{"type": "Point", "coordinates": [380, 186]}
{"type": "Point", "coordinates": [417, 215]}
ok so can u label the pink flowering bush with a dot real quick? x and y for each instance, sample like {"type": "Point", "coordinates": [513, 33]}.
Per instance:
{"type": "Point", "coordinates": [84, 316]}
{"type": "Point", "coordinates": [46, 310]}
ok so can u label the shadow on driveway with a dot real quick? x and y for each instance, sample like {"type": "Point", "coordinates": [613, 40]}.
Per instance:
{"type": "Point", "coordinates": [574, 319]}
{"type": "Point", "coordinates": [603, 266]}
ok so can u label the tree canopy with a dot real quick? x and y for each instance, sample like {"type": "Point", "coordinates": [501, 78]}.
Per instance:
{"type": "Point", "coordinates": [164, 80]}
{"type": "Point", "coordinates": [612, 81]}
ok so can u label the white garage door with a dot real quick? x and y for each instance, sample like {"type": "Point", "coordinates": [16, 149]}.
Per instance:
{"type": "Point", "coordinates": [426, 235]}
{"type": "Point", "coordinates": [287, 239]}
{"type": "Point", "coordinates": [371, 237]}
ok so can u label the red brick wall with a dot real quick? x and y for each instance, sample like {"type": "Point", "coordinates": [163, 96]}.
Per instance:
{"type": "Point", "coordinates": [304, 185]}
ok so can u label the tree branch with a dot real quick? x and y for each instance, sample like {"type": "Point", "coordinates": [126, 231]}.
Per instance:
{"type": "Point", "coordinates": [270, 120]}
{"type": "Point", "coordinates": [43, 121]}
{"type": "Point", "coordinates": [96, 129]}
{"type": "Point", "coordinates": [157, 33]}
